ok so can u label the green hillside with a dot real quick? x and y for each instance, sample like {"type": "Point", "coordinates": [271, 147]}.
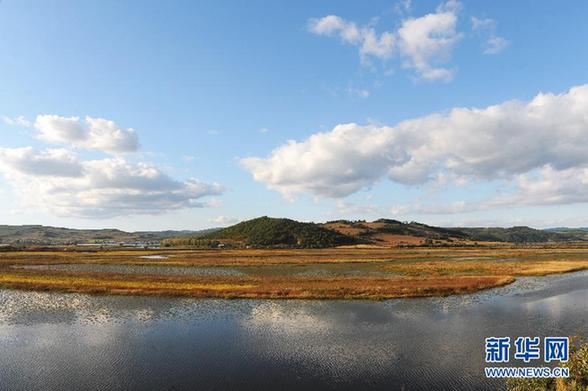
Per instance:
{"type": "Point", "coordinates": [518, 235]}
{"type": "Point", "coordinates": [272, 232]}
{"type": "Point", "coordinates": [286, 233]}
{"type": "Point", "coordinates": [44, 235]}
{"type": "Point", "coordinates": [417, 229]}
{"type": "Point", "coordinates": [486, 234]}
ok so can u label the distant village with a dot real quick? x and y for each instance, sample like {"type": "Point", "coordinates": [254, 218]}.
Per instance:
{"type": "Point", "coordinates": [97, 243]}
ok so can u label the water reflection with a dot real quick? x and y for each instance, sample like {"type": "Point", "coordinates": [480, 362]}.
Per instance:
{"type": "Point", "coordinates": [69, 341]}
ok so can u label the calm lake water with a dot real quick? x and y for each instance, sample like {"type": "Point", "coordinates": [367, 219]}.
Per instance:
{"type": "Point", "coordinates": [52, 341]}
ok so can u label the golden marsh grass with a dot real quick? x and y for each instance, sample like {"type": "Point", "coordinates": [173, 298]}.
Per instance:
{"type": "Point", "coordinates": [360, 273]}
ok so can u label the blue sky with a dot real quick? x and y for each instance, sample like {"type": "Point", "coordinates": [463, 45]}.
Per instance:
{"type": "Point", "coordinates": [210, 89]}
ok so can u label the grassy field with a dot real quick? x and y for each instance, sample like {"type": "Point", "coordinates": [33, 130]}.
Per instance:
{"type": "Point", "coordinates": [349, 273]}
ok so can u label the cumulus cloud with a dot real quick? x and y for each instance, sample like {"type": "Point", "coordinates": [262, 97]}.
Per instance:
{"type": "Point", "coordinates": [368, 41]}
{"type": "Point", "coordinates": [544, 186]}
{"type": "Point", "coordinates": [91, 133]}
{"type": "Point", "coordinates": [60, 182]}
{"type": "Point", "coordinates": [548, 186]}
{"type": "Point", "coordinates": [55, 162]}
{"type": "Point", "coordinates": [331, 164]}
{"type": "Point", "coordinates": [16, 121]}
{"type": "Point", "coordinates": [428, 40]}
{"type": "Point", "coordinates": [503, 141]}
{"type": "Point", "coordinates": [421, 43]}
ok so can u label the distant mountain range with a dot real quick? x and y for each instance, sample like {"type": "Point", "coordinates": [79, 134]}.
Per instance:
{"type": "Point", "coordinates": [394, 232]}
{"type": "Point", "coordinates": [280, 232]}
{"type": "Point", "coordinates": [566, 229]}
{"type": "Point", "coordinates": [43, 235]}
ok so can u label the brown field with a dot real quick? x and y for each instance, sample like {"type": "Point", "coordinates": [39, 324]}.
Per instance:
{"type": "Point", "coordinates": [341, 273]}
{"type": "Point", "coordinates": [386, 239]}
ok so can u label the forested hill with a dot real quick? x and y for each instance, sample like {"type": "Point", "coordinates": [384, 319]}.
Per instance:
{"type": "Point", "coordinates": [522, 235]}
{"type": "Point", "coordinates": [275, 232]}
{"type": "Point", "coordinates": [44, 235]}
{"type": "Point", "coordinates": [388, 231]}
{"type": "Point", "coordinates": [285, 233]}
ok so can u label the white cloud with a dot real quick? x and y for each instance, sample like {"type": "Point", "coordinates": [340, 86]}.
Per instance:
{"type": "Point", "coordinates": [333, 25]}
{"type": "Point", "coordinates": [543, 186]}
{"type": "Point", "coordinates": [224, 220]}
{"type": "Point", "coordinates": [487, 27]}
{"type": "Point", "coordinates": [50, 163]}
{"type": "Point", "coordinates": [428, 40]}
{"type": "Point", "coordinates": [92, 133]}
{"type": "Point", "coordinates": [495, 45]}
{"type": "Point", "coordinates": [368, 41]}
{"type": "Point", "coordinates": [548, 186]}
{"type": "Point", "coordinates": [422, 43]}
{"type": "Point", "coordinates": [497, 142]}
{"type": "Point", "coordinates": [16, 121]}
{"type": "Point", "coordinates": [481, 24]}
{"type": "Point", "coordinates": [188, 158]}
{"type": "Point", "coordinates": [264, 130]}
{"type": "Point", "coordinates": [59, 182]}
{"type": "Point", "coordinates": [327, 164]}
